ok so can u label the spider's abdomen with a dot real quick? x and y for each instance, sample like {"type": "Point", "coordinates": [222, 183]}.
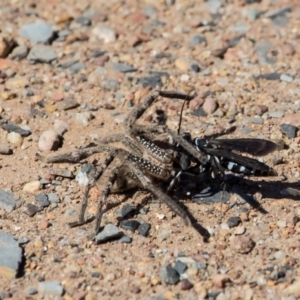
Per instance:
{"type": "Point", "coordinates": [150, 168]}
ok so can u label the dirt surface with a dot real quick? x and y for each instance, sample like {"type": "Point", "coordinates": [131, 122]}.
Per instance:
{"type": "Point", "coordinates": [241, 57]}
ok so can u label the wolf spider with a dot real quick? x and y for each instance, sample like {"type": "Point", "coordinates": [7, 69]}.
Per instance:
{"type": "Point", "coordinates": [132, 168]}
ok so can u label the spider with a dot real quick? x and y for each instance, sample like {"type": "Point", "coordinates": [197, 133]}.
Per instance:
{"type": "Point", "coordinates": [129, 168]}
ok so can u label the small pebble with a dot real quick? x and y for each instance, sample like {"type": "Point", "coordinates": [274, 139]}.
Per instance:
{"type": "Point", "coordinates": [182, 64]}
{"type": "Point", "coordinates": [15, 138]}
{"type": "Point", "coordinates": [168, 274]}
{"type": "Point", "coordinates": [32, 186]}
{"type": "Point", "coordinates": [131, 225]}
{"type": "Point", "coordinates": [286, 78]}
{"type": "Point", "coordinates": [109, 232]}
{"type": "Point", "coordinates": [7, 201]}
{"type": "Point", "coordinates": [32, 209]}
{"type": "Point", "coordinates": [38, 32]}
{"type": "Point", "coordinates": [289, 130]}
{"type": "Point", "coordinates": [67, 103]}
{"type": "Point", "coordinates": [180, 267]}
{"type": "Point", "coordinates": [281, 223]}
{"type": "Point", "coordinates": [16, 129]}
{"type": "Point", "coordinates": [31, 291]}
{"type": "Point", "coordinates": [49, 140]}
{"type": "Point", "coordinates": [233, 221]}
{"type": "Point", "coordinates": [51, 288]}
{"type": "Point", "coordinates": [126, 210]}
{"type": "Point", "coordinates": [210, 105]}
{"type": "Point", "coordinates": [144, 229]}
{"type": "Point", "coordinates": [220, 280]}
{"type": "Point", "coordinates": [60, 126]}
{"type": "Point", "coordinates": [84, 117]}
{"type": "Point", "coordinates": [242, 244]}
{"type": "Point", "coordinates": [125, 239]}
{"type": "Point", "coordinates": [104, 33]}
{"type": "Point", "coordinates": [42, 199]}
{"type": "Point", "coordinates": [123, 68]}
{"type": "Point", "coordinates": [186, 285]}
{"type": "Point", "coordinates": [11, 255]}
{"type": "Point", "coordinates": [42, 53]}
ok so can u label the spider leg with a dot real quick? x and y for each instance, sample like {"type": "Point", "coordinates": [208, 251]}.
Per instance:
{"type": "Point", "coordinates": [108, 160]}
{"type": "Point", "coordinates": [111, 179]}
{"type": "Point", "coordinates": [120, 137]}
{"type": "Point", "coordinates": [156, 191]}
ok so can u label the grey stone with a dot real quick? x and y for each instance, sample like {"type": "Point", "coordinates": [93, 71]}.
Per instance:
{"type": "Point", "coordinates": [213, 5]}
{"type": "Point", "coordinates": [197, 39]}
{"type": "Point", "coordinates": [50, 288]}
{"type": "Point", "coordinates": [83, 21]}
{"type": "Point", "coordinates": [252, 14]}
{"type": "Point", "coordinates": [23, 240]}
{"type": "Point", "coordinates": [11, 254]}
{"type": "Point", "coordinates": [61, 172]}
{"type": "Point", "coordinates": [85, 174]}
{"type": "Point", "coordinates": [194, 67]}
{"type": "Point", "coordinates": [75, 68]}
{"type": "Point", "coordinates": [17, 129]}
{"type": "Point", "coordinates": [38, 32]}
{"type": "Point", "coordinates": [233, 221]}
{"type": "Point", "coordinates": [168, 274]}
{"type": "Point", "coordinates": [269, 76]}
{"type": "Point", "coordinates": [67, 63]}
{"type": "Point", "coordinates": [109, 232]}
{"type": "Point", "coordinates": [19, 52]}
{"type": "Point", "coordinates": [32, 209]}
{"type": "Point", "coordinates": [290, 191]}
{"type": "Point", "coordinates": [278, 12]}
{"type": "Point", "coordinates": [7, 201]}
{"type": "Point", "coordinates": [262, 47]}
{"type": "Point", "coordinates": [257, 120]}
{"type": "Point", "coordinates": [53, 198]}
{"type": "Point", "coordinates": [276, 114]}
{"type": "Point", "coordinates": [123, 68]}
{"type": "Point", "coordinates": [149, 11]}
{"type": "Point", "coordinates": [110, 85]}
{"type": "Point", "coordinates": [239, 28]}
{"type": "Point", "coordinates": [42, 199]}
{"type": "Point", "coordinates": [289, 130]}
{"type": "Point", "coordinates": [200, 265]}
{"type": "Point", "coordinates": [180, 267]}
{"type": "Point", "coordinates": [125, 239]}
{"type": "Point", "coordinates": [152, 81]}
{"type": "Point", "coordinates": [67, 103]}
{"type": "Point", "coordinates": [286, 78]}
{"type": "Point", "coordinates": [131, 225]}
{"type": "Point", "coordinates": [281, 20]}
{"type": "Point", "coordinates": [144, 229]}
{"type": "Point", "coordinates": [42, 53]}
{"type": "Point", "coordinates": [126, 210]}
{"type": "Point", "coordinates": [31, 291]}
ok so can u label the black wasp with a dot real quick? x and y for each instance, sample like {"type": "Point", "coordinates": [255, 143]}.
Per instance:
{"type": "Point", "coordinates": [223, 155]}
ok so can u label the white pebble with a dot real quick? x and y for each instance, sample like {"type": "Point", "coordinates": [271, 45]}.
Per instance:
{"type": "Point", "coordinates": [105, 33]}
{"type": "Point", "coordinates": [84, 117]}
{"type": "Point", "coordinates": [281, 223]}
{"type": "Point", "coordinates": [49, 140]}
{"type": "Point", "coordinates": [286, 78]}
{"type": "Point", "coordinates": [60, 126]}
{"type": "Point", "coordinates": [15, 138]}
{"type": "Point", "coordinates": [32, 186]}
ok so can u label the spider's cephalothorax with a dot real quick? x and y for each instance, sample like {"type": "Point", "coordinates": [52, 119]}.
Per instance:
{"type": "Point", "coordinates": [130, 165]}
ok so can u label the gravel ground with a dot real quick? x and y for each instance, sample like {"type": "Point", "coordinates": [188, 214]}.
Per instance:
{"type": "Point", "coordinates": [71, 71]}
